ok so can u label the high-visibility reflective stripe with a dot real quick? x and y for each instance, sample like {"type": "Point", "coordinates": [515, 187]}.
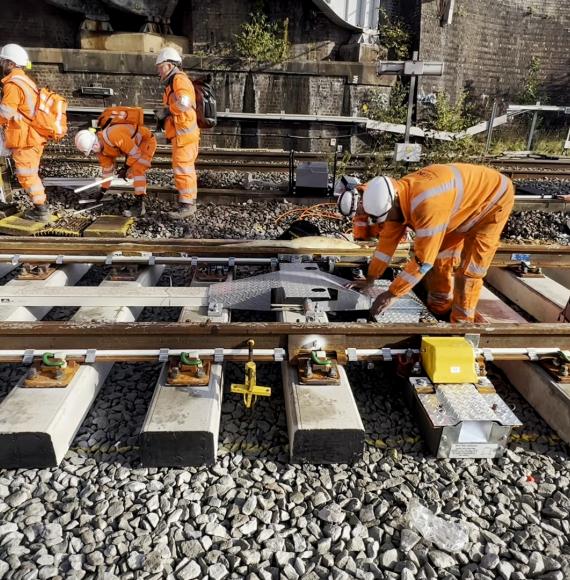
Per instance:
{"type": "Point", "coordinates": [184, 103]}
{"type": "Point", "coordinates": [106, 138]}
{"type": "Point", "coordinates": [27, 171]}
{"type": "Point", "coordinates": [413, 280]}
{"type": "Point", "coordinates": [187, 130]}
{"type": "Point", "coordinates": [8, 112]}
{"type": "Point", "coordinates": [440, 295]}
{"type": "Point", "coordinates": [59, 118]}
{"type": "Point", "coordinates": [134, 152]}
{"type": "Point", "coordinates": [451, 253]}
{"type": "Point", "coordinates": [382, 257]}
{"type": "Point", "coordinates": [191, 190]}
{"type": "Point", "coordinates": [427, 232]}
{"type": "Point", "coordinates": [139, 178]}
{"type": "Point", "coordinates": [466, 312]}
{"type": "Point", "coordinates": [143, 161]}
{"type": "Point", "coordinates": [425, 268]}
{"type": "Point", "coordinates": [475, 269]}
{"type": "Point", "coordinates": [186, 170]}
{"type": "Point", "coordinates": [36, 188]}
{"type": "Point", "coordinates": [360, 223]}
{"type": "Point", "coordinates": [29, 89]}
{"type": "Point", "coordinates": [495, 199]}
{"type": "Point", "coordinates": [139, 190]}
{"type": "Point", "coordinates": [459, 189]}
{"type": "Point", "coordinates": [432, 193]}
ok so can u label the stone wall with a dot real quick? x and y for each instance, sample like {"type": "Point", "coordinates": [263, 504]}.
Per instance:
{"type": "Point", "coordinates": [296, 88]}
{"type": "Point", "coordinates": [489, 46]}
{"type": "Point", "coordinates": [312, 35]}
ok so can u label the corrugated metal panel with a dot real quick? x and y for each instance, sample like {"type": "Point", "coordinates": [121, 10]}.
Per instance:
{"type": "Point", "coordinates": [353, 14]}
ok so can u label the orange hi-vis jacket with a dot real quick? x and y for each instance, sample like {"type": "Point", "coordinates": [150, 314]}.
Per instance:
{"type": "Point", "coordinates": [19, 97]}
{"type": "Point", "coordinates": [436, 201]}
{"type": "Point", "coordinates": [180, 98]}
{"type": "Point", "coordinates": [137, 144]}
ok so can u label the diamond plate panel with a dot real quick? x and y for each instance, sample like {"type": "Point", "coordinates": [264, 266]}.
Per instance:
{"type": "Point", "coordinates": [296, 282]}
{"type": "Point", "coordinates": [407, 309]}
{"type": "Point", "coordinates": [455, 403]}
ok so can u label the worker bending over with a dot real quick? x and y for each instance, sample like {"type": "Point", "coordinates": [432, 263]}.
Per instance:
{"type": "Point", "coordinates": [135, 142]}
{"type": "Point", "coordinates": [181, 128]}
{"type": "Point", "coordinates": [457, 212]}
{"type": "Point", "coordinates": [19, 97]}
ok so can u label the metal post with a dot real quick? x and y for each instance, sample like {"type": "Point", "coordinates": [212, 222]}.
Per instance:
{"type": "Point", "coordinates": [490, 128]}
{"type": "Point", "coordinates": [415, 56]}
{"type": "Point", "coordinates": [532, 128]}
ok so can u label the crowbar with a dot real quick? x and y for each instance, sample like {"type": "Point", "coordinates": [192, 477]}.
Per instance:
{"type": "Point", "coordinates": [94, 184]}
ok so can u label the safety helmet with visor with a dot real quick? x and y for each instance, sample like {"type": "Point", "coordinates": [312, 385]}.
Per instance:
{"type": "Point", "coordinates": [377, 199]}
{"type": "Point", "coordinates": [346, 190]}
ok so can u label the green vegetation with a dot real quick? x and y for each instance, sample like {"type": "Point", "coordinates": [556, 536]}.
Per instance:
{"type": "Point", "coordinates": [262, 41]}
{"type": "Point", "coordinates": [532, 89]}
{"type": "Point", "coordinates": [394, 35]}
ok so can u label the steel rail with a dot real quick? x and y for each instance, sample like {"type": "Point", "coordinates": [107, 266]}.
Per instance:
{"type": "Point", "coordinates": [57, 336]}
{"type": "Point", "coordinates": [88, 356]}
{"type": "Point", "coordinates": [15, 249]}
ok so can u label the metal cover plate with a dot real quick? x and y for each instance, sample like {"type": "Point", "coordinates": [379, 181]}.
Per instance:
{"type": "Point", "coordinates": [407, 309]}
{"type": "Point", "coordinates": [455, 403]}
{"type": "Point", "coordinates": [295, 282]}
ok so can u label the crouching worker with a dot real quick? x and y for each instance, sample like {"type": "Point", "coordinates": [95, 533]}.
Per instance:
{"type": "Point", "coordinates": [115, 139]}
{"type": "Point", "coordinates": [19, 97]}
{"type": "Point", "coordinates": [364, 228]}
{"type": "Point", "coordinates": [457, 212]}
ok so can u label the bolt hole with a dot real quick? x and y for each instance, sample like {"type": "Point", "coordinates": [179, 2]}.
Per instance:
{"type": "Point", "coordinates": [311, 268]}
{"type": "Point", "coordinates": [318, 290]}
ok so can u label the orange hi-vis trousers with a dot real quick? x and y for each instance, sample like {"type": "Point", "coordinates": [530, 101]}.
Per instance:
{"type": "Point", "coordinates": [456, 279]}
{"type": "Point", "coordinates": [27, 161]}
{"type": "Point", "coordinates": [185, 179]}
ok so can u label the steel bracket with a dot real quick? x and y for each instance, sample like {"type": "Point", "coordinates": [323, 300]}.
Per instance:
{"type": "Point", "coordinates": [215, 309]}
{"type": "Point", "coordinates": [487, 355]}
{"type": "Point", "coordinates": [163, 355]}
{"type": "Point", "coordinates": [352, 354]}
{"type": "Point", "coordinates": [219, 355]}
{"type": "Point", "coordinates": [90, 356]}
{"type": "Point", "coordinates": [387, 354]}
{"type": "Point", "coordinates": [279, 354]}
{"type": "Point", "coordinates": [532, 355]}
{"type": "Point", "coordinates": [28, 357]}
{"type": "Point", "coordinates": [318, 368]}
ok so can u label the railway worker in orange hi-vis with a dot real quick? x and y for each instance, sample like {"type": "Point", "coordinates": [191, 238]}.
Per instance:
{"type": "Point", "coordinates": [135, 142]}
{"type": "Point", "coordinates": [178, 118]}
{"type": "Point", "coordinates": [457, 212]}
{"type": "Point", "coordinates": [19, 96]}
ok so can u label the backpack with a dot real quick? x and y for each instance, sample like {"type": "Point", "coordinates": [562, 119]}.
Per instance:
{"type": "Point", "coordinates": [50, 113]}
{"type": "Point", "coordinates": [206, 111]}
{"type": "Point", "coordinates": [121, 116]}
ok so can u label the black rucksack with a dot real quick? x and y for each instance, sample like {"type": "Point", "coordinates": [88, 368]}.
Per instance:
{"type": "Point", "coordinates": [206, 111]}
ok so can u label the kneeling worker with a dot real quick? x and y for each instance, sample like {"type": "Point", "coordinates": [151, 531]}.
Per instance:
{"type": "Point", "coordinates": [457, 212]}
{"type": "Point", "coordinates": [137, 144]}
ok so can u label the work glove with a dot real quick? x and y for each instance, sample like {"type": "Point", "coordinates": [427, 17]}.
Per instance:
{"type": "Point", "coordinates": [161, 115]}
{"type": "Point", "coordinates": [123, 172]}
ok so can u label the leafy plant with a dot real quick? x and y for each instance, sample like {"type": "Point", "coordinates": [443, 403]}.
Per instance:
{"type": "Point", "coordinates": [394, 35]}
{"type": "Point", "coordinates": [532, 89]}
{"type": "Point", "coordinates": [262, 41]}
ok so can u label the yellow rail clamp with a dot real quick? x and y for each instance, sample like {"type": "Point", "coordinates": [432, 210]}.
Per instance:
{"type": "Point", "coordinates": [250, 389]}
{"type": "Point", "coordinates": [17, 225]}
{"type": "Point", "coordinates": [109, 226]}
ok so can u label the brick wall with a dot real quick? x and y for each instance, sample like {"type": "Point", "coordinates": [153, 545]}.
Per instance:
{"type": "Point", "coordinates": [271, 91]}
{"type": "Point", "coordinates": [489, 46]}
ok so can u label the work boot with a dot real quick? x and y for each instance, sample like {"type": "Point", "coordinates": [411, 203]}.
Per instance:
{"type": "Point", "coordinates": [137, 209]}
{"type": "Point", "coordinates": [39, 213]}
{"type": "Point", "coordinates": [184, 211]}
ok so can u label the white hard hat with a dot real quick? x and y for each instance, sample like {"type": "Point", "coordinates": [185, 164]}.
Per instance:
{"type": "Point", "coordinates": [344, 183]}
{"type": "Point", "coordinates": [16, 54]}
{"type": "Point", "coordinates": [85, 140]}
{"type": "Point", "coordinates": [168, 54]}
{"type": "Point", "coordinates": [378, 198]}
